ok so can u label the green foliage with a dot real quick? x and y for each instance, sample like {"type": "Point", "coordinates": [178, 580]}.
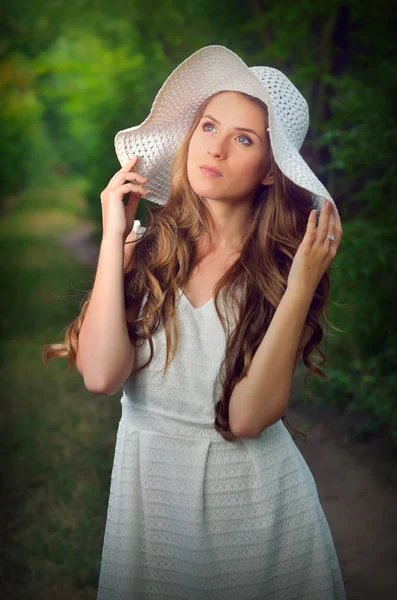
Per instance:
{"type": "Point", "coordinates": [57, 437]}
{"type": "Point", "coordinates": [361, 137]}
{"type": "Point", "coordinates": [25, 144]}
{"type": "Point", "coordinates": [362, 358]}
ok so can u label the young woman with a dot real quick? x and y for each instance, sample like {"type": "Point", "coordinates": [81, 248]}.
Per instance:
{"type": "Point", "coordinates": [202, 320]}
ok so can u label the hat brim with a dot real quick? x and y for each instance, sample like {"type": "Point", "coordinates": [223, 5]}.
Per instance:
{"type": "Point", "coordinates": [209, 70]}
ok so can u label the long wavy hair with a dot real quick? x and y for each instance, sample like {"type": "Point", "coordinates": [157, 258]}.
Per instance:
{"type": "Point", "coordinates": [165, 255]}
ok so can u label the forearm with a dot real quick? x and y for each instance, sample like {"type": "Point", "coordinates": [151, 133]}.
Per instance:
{"type": "Point", "coordinates": [261, 398]}
{"type": "Point", "coordinates": [104, 347]}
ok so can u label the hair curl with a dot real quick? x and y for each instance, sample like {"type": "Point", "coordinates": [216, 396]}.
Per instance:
{"type": "Point", "coordinates": [166, 253]}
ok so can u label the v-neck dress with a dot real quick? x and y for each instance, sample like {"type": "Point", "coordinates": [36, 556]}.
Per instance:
{"type": "Point", "coordinates": [192, 516]}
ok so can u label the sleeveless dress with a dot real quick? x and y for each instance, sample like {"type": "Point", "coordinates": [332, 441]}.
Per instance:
{"type": "Point", "coordinates": [192, 516]}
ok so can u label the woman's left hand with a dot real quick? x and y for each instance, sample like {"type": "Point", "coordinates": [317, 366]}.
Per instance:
{"type": "Point", "coordinates": [316, 251]}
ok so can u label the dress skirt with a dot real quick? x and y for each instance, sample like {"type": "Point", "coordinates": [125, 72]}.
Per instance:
{"type": "Point", "coordinates": [194, 517]}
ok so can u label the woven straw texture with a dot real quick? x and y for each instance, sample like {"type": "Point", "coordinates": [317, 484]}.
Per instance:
{"type": "Point", "coordinates": [192, 516]}
{"type": "Point", "coordinates": [209, 70]}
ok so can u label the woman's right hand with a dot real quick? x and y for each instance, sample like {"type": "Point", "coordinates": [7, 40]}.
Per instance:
{"type": "Point", "coordinates": [118, 217]}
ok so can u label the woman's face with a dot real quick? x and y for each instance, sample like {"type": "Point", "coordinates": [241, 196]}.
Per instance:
{"type": "Point", "coordinates": [231, 138]}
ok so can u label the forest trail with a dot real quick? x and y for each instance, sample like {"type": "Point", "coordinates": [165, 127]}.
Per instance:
{"type": "Point", "coordinates": [356, 481]}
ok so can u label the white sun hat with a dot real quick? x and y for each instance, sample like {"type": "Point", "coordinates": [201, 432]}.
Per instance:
{"type": "Point", "coordinates": [209, 70]}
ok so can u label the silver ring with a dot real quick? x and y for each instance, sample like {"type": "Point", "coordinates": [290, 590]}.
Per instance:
{"type": "Point", "coordinates": [331, 237]}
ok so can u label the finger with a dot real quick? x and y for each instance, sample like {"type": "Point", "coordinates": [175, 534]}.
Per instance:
{"type": "Point", "coordinates": [131, 163]}
{"type": "Point", "coordinates": [311, 226]}
{"type": "Point", "coordinates": [121, 176]}
{"type": "Point", "coordinates": [323, 223]}
{"type": "Point", "coordinates": [131, 187]}
{"type": "Point", "coordinates": [338, 228]}
{"type": "Point", "coordinates": [331, 229]}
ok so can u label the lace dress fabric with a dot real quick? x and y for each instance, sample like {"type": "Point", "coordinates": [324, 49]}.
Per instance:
{"type": "Point", "coordinates": [192, 516]}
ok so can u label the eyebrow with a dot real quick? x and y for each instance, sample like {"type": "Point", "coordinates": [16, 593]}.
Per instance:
{"type": "Point", "coordinates": [236, 128]}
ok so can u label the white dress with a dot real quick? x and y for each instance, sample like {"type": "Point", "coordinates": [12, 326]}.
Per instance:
{"type": "Point", "coordinates": [192, 516]}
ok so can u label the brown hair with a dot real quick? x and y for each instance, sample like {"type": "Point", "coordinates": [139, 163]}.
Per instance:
{"type": "Point", "coordinates": [167, 252]}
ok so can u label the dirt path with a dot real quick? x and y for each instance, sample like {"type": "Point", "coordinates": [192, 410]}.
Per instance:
{"type": "Point", "coordinates": [356, 482]}
{"type": "Point", "coordinates": [357, 486]}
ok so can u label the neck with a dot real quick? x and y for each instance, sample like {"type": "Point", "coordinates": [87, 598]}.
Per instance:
{"type": "Point", "coordinates": [231, 225]}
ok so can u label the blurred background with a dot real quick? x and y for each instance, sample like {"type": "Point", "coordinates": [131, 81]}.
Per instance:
{"type": "Point", "coordinates": [74, 73]}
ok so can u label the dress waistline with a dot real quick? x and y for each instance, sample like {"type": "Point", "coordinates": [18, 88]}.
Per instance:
{"type": "Point", "coordinates": [138, 418]}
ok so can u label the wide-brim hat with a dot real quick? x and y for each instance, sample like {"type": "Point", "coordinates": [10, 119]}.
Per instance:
{"type": "Point", "coordinates": [210, 70]}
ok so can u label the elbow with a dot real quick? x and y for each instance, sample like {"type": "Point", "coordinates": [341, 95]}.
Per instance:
{"type": "Point", "coordinates": [245, 433]}
{"type": "Point", "coordinates": [94, 388]}
{"type": "Point", "coordinates": [92, 385]}
{"type": "Point", "coordinates": [108, 386]}
{"type": "Point", "coordinates": [243, 430]}
{"type": "Point", "coordinates": [240, 425]}
{"type": "Point", "coordinates": [250, 431]}
{"type": "Point", "coordinates": [252, 428]}
{"type": "Point", "coordinates": [102, 389]}
{"type": "Point", "coordinates": [250, 423]}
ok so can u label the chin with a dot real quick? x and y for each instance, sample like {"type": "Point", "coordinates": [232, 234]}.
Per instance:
{"type": "Point", "coordinates": [208, 194]}
{"type": "Point", "coordinates": [207, 190]}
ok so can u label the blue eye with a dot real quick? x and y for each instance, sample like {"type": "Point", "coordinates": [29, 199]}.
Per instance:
{"type": "Point", "coordinates": [240, 136]}
{"type": "Point", "coordinates": [205, 125]}
{"type": "Point", "coordinates": [244, 136]}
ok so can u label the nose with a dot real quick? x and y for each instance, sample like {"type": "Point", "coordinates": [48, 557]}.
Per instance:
{"type": "Point", "coordinates": [216, 149]}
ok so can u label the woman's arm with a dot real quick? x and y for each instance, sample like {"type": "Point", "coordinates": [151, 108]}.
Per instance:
{"type": "Point", "coordinates": [261, 398]}
{"type": "Point", "coordinates": [105, 354]}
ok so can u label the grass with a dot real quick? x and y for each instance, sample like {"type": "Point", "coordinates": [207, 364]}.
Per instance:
{"type": "Point", "coordinates": [56, 437]}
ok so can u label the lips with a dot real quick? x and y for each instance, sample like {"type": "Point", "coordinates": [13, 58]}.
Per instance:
{"type": "Point", "coordinates": [210, 171]}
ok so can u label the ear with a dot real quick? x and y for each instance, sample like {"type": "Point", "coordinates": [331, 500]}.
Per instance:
{"type": "Point", "coordinates": [268, 180]}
